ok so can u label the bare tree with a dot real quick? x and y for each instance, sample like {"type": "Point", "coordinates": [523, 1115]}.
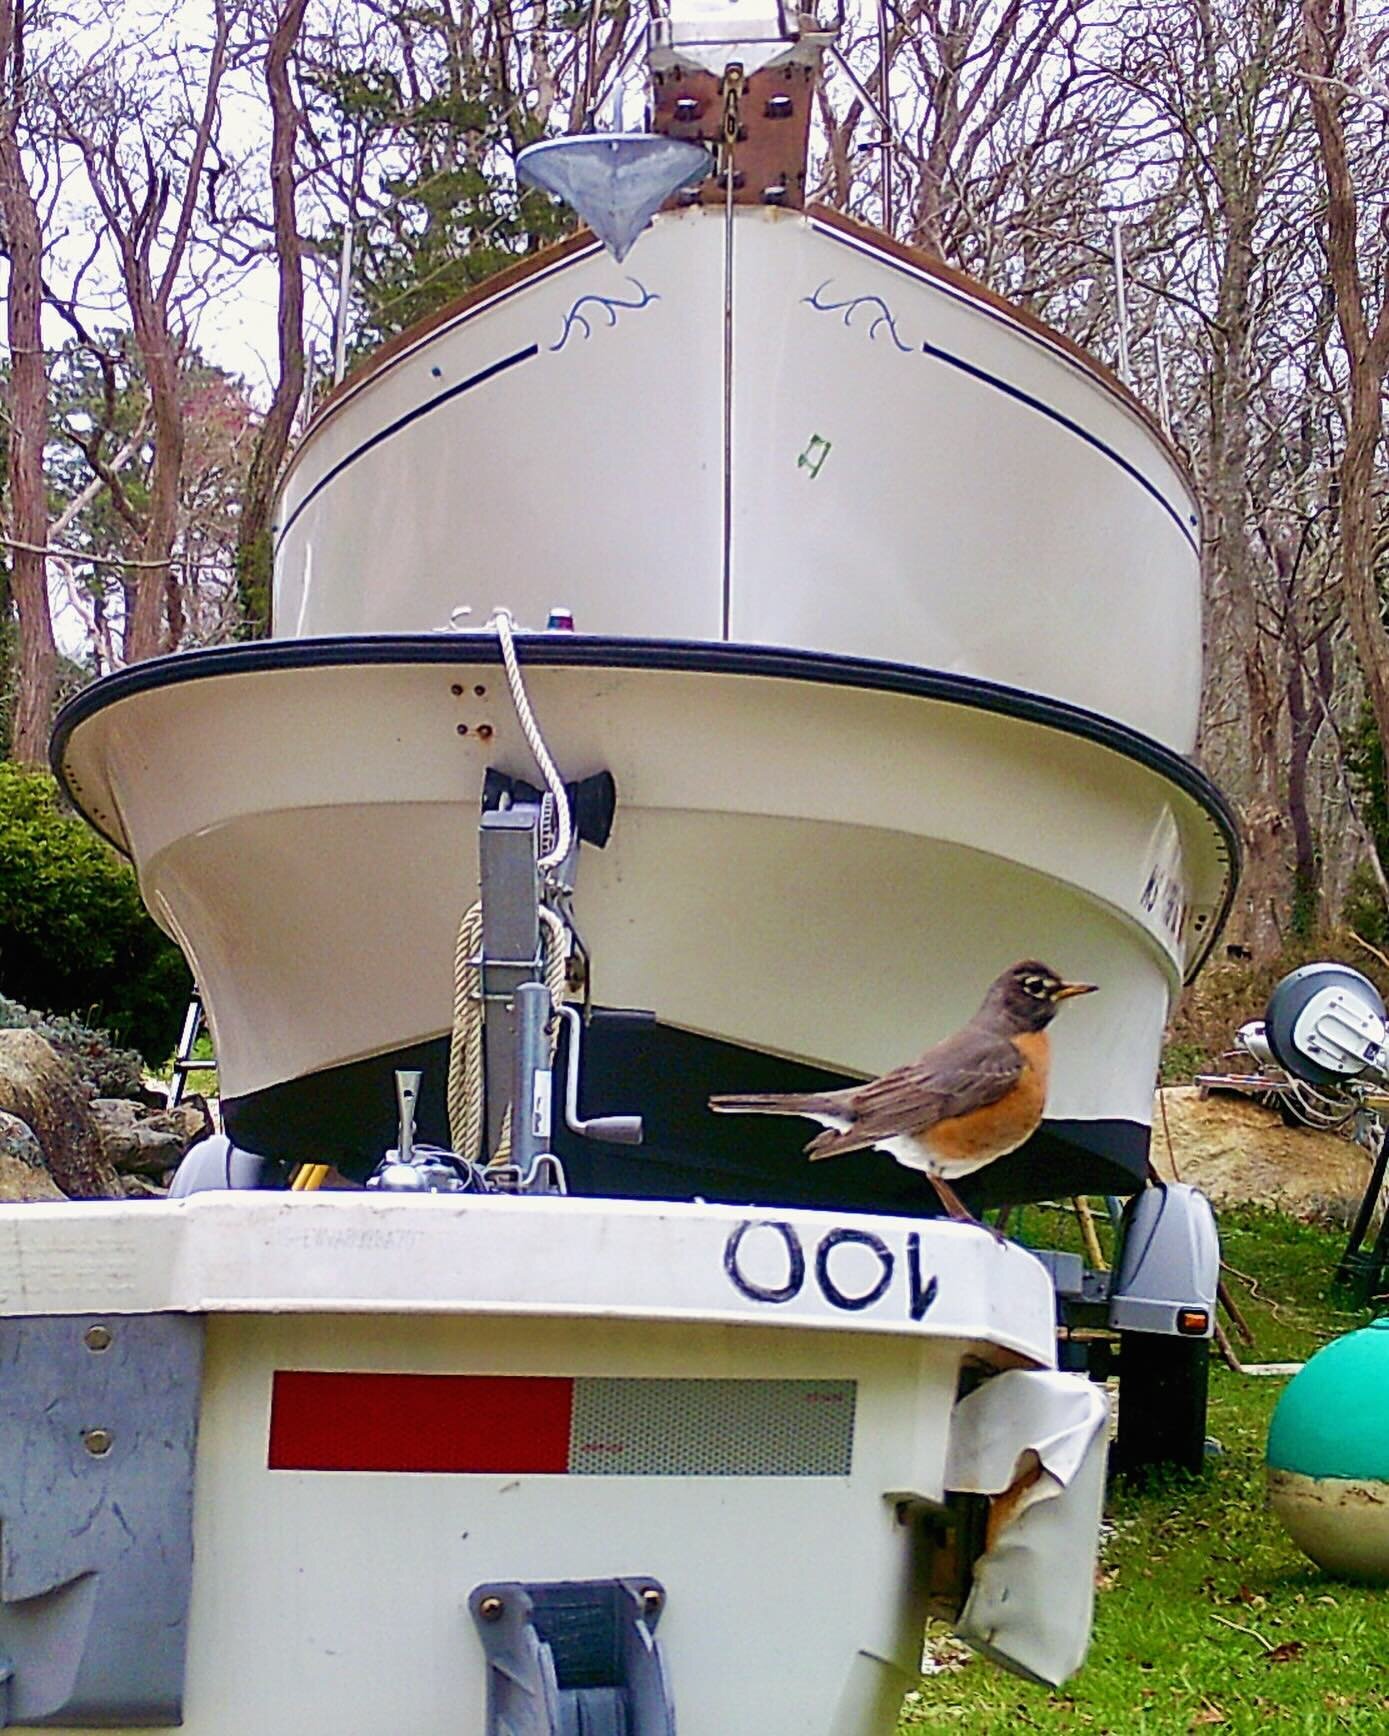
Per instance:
{"type": "Point", "coordinates": [145, 162]}
{"type": "Point", "coordinates": [253, 554]}
{"type": "Point", "coordinates": [1215, 108]}
{"type": "Point", "coordinates": [27, 404]}
{"type": "Point", "coordinates": [981, 92]}
{"type": "Point", "coordinates": [1358, 267]}
{"type": "Point", "coordinates": [984, 68]}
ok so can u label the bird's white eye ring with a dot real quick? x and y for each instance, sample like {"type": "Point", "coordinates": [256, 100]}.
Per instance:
{"type": "Point", "coordinates": [1036, 986]}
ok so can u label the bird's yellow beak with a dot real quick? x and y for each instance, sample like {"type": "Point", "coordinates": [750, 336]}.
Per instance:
{"type": "Point", "coordinates": [1067, 990]}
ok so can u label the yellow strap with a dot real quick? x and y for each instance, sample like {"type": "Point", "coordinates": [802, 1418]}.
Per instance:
{"type": "Point", "coordinates": [1088, 1235]}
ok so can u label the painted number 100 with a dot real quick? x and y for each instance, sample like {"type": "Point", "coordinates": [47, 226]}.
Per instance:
{"type": "Point", "coordinates": [874, 1277]}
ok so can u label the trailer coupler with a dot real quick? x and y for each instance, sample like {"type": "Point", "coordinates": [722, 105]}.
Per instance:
{"type": "Point", "coordinates": [574, 1658]}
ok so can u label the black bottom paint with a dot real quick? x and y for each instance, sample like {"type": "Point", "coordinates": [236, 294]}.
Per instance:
{"type": "Point", "coordinates": [346, 1116]}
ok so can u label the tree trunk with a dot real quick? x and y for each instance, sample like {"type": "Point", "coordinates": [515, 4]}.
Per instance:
{"type": "Point", "coordinates": [1238, 199]}
{"type": "Point", "coordinates": [253, 550]}
{"type": "Point", "coordinates": [1305, 721]}
{"type": "Point", "coordinates": [28, 412]}
{"type": "Point", "coordinates": [146, 633]}
{"type": "Point", "coordinates": [1364, 427]}
{"type": "Point", "coordinates": [134, 214]}
{"type": "Point", "coordinates": [1265, 878]}
{"type": "Point", "coordinates": [1365, 335]}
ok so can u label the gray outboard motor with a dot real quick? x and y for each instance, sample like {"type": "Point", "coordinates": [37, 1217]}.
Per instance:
{"type": "Point", "coordinates": [215, 1162]}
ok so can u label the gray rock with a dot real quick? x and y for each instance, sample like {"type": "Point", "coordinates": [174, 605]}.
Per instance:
{"type": "Point", "coordinates": [17, 1141]}
{"type": "Point", "coordinates": [140, 1187]}
{"type": "Point", "coordinates": [189, 1122]}
{"type": "Point", "coordinates": [136, 1140]}
{"type": "Point", "coordinates": [23, 1173]}
{"type": "Point", "coordinates": [43, 1089]}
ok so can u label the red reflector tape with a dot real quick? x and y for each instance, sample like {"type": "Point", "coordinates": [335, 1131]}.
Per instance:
{"type": "Point", "coordinates": [545, 1424]}
{"type": "Point", "coordinates": [419, 1422]}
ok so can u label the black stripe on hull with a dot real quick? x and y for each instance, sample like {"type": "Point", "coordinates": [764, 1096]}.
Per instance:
{"type": "Point", "coordinates": [346, 1116]}
{"type": "Point", "coordinates": [1070, 425]}
{"type": "Point", "coordinates": [1187, 524]}
{"type": "Point", "coordinates": [391, 428]}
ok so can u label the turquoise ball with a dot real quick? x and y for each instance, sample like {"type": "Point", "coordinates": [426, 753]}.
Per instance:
{"type": "Point", "coordinates": [1328, 1456]}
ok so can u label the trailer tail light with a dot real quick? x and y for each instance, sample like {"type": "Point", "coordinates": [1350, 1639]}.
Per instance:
{"type": "Point", "coordinates": [1193, 1322]}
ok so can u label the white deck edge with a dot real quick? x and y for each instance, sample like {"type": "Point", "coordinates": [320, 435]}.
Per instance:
{"type": "Point", "coordinates": [570, 1258]}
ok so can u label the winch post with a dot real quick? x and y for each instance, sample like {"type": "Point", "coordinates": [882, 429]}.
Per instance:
{"type": "Point", "coordinates": [531, 1091]}
{"type": "Point", "coordinates": [519, 1017]}
{"type": "Point", "coordinates": [508, 854]}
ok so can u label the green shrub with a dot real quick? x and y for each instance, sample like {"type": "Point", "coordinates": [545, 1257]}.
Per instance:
{"type": "Point", "coordinates": [1181, 1062]}
{"type": "Point", "coordinates": [74, 936]}
{"type": "Point", "coordinates": [110, 1071]}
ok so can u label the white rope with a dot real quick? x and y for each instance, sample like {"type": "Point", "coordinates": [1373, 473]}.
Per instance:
{"type": "Point", "coordinates": [503, 623]}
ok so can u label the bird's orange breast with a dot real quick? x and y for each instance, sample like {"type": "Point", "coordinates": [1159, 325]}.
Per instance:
{"type": "Point", "coordinates": [983, 1134]}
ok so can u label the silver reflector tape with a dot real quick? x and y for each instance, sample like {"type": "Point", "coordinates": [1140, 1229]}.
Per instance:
{"type": "Point", "coordinates": [712, 1428]}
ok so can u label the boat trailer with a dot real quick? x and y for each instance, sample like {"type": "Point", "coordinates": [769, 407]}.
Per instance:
{"type": "Point", "coordinates": [461, 1452]}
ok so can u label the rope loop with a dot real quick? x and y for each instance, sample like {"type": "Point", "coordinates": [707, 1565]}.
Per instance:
{"type": "Point", "coordinates": [465, 1075]}
{"type": "Point", "coordinates": [503, 623]}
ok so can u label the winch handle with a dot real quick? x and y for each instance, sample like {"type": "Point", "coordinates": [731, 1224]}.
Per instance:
{"type": "Point", "coordinates": [617, 1129]}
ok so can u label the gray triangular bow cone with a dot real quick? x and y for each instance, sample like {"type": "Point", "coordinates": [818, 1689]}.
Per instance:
{"type": "Point", "coordinates": [615, 181]}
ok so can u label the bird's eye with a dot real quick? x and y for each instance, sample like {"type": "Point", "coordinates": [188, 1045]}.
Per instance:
{"type": "Point", "coordinates": [1035, 986]}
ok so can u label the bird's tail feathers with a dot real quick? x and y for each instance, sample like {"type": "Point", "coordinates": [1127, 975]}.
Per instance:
{"type": "Point", "coordinates": [770, 1103]}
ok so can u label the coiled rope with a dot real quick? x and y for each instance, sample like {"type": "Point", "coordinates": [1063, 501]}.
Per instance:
{"type": "Point", "coordinates": [465, 1096]}
{"type": "Point", "coordinates": [465, 1077]}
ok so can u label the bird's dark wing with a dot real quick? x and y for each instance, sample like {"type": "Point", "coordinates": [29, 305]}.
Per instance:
{"type": "Point", "coordinates": [968, 1071]}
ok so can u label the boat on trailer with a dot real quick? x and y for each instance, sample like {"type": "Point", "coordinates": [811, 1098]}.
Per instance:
{"type": "Point", "coordinates": [887, 615]}
{"type": "Point", "coordinates": [858, 656]}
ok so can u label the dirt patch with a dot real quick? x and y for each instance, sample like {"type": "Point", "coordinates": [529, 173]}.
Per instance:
{"type": "Point", "coordinates": [1240, 1153]}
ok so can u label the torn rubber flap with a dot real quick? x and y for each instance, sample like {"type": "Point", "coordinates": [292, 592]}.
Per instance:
{"type": "Point", "coordinates": [1034, 1442]}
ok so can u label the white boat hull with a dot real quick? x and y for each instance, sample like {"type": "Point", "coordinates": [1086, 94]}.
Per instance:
{"type": "Point", "coordinates": [891, 641]}
{"type": "Point", "coordinates": [915, 472]}
{"type": "Point", "coordinates": [817, 860]}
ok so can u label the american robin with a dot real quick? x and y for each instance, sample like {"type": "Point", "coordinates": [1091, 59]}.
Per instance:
{"type": "Point", "coordinates": [970, 1099]}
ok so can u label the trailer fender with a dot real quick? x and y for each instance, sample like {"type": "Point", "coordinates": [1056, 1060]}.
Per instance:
{"type": "Point", "coordinates": [1169, 1266]}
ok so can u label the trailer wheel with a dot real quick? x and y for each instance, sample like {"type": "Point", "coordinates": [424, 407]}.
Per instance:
{"type": "Point", "coordinates": [1163, 1386]}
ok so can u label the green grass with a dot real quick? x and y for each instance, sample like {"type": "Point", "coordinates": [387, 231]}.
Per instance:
{"type": "Point", "coordinates": [1207, 1615]}
{"type": "Point", "coordinates": [199, 1083]}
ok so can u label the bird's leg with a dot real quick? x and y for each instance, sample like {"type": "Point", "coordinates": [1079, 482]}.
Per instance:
{"type": "Point", "coordinates": [957, 1207]}
{"type": "Point", "coordinates": [951, 1200]}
